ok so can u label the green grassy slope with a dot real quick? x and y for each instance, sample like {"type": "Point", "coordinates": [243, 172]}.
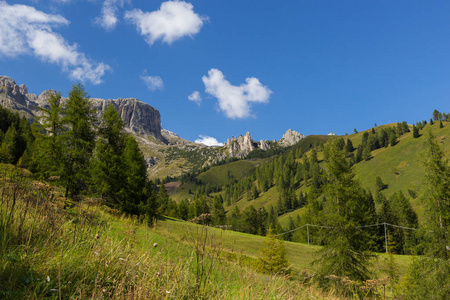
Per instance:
{"type": "Point", "coordinates": [248, 246]}
{"type": "Point", "coordinates": [401, 166]}
{"type": "Point", "coordinates": [310, 141]}
{"type": "Point", "coordinates": [88, 251]}
{"type": "Point", "coordinates": [220, 175]}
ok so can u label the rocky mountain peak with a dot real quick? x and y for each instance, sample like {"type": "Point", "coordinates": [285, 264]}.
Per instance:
{"type": "Point", "coordinates": [290, 137]}
{"type": "Point", "coordinates": [139, 117]}
{"type": "Point", "coordinates": [241, 146]}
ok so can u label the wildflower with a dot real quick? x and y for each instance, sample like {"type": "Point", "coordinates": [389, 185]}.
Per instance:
{"type": "Point", "coordinates": [48, 278]}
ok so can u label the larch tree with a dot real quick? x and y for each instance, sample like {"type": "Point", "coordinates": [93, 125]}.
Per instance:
{"type": "Point", "coordinates": [49, 128]}
{"type": "Point", "coordinates": [347, 206]}
{"type": "Point", "coordinates": [108, 168]}
{"type": "Point", "coordinates": [428, 276]}
{"type": "Point", "coordinates": [272, 258]}
{"type": "Point", "coordinates": [79, 140]}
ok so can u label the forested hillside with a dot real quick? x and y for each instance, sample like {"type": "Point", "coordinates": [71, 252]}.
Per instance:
{"type": "Point", "coordinates": [385, 189]}
{"type": "Point", "coordinates": [287, 191]}
{"type": "Point", "coordinates": [64, 146]}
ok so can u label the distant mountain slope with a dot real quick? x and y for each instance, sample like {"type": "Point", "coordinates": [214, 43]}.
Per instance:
{"type": "Point", "coordinates": [141, 120]}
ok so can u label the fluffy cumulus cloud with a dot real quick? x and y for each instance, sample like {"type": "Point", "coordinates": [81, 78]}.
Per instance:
{"type": "Point", "coordinates": [174, 20]}
{"type": "Point", "coordinates": [208, 141]}
{"type": "Point", "coordinates": [153, 82]}
{"type": "Point", "coordinates": [235, 101]}
{"type": "Point", "coordinates": [195, 97]}
{"type": "Point", "coordinates": [25, 30]}
{"type": "Point", "coordinates": [108, 18]}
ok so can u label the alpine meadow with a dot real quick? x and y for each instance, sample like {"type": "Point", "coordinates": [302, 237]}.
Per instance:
{"type": "Point", "coordinates": [235, 150]}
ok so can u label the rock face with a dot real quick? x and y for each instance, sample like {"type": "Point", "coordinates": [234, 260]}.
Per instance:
{"type": "Point", "coordinates": [264, 145]}
{"type": "Point", "coordinates": [243, 145]}
{"type": "Point", "coordinates": [139, 117]}
{"type": "Point", "coordinates": [290, 137]}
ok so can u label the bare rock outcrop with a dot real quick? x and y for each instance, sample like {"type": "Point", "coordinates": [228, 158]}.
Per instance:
{"type": "Point", "coordinates": [241, 146]}
{"type": "Point", "coordinates": [290, 137]}
{"type": "Point", "coordinates": [139, 117]}
{"type": "Point", "coordinates": [264, 145]}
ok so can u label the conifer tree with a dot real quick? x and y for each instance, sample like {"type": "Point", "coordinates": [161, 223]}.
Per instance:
{"type": "Point", "coordinates": [218, 211]}
{"type": "Point", "coordinates": [272, 258]}
{"type": "Point", "coordinates": [139, 192]}
{"type": "Point", "coordinates": [428, 276]}
{"type": "Point", "coordinates": [415, 132]}
{"type": "Point", "coordinates": [79, 140]}
{"type": "Point", "coordinates": [437, 197]}
{"type": "Point", "coordinates": [108, 170]}
{"type": "Point", "coordinates": [49, 128]}
{"type": "Point", "coordinates": [345, 252]}
{"type": "Point", "coordinates": [349, 146]}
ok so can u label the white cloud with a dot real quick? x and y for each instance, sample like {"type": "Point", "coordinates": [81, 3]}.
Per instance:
{"type": "Point", "coordinates": [153, 82]}
{"type": "Point", "coordinates": [108, 18]}
{"type": "Point", "coordinates": [195, 97]}
{"type": "Point", "coordinates": [208, 141]}
{"type": "Point", "coordinates": [25, 30]}
{"type": "Point", "coordinates": [174, 20]}
{"type": "Point", "coordinates": [235, 101]}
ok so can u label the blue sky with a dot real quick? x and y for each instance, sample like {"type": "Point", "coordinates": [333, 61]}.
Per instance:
{"type": "Point", "coordinates": [221, 68]}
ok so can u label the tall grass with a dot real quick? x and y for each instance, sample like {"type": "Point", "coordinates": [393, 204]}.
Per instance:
{"type": "Point", "coordinates": [53, 249]}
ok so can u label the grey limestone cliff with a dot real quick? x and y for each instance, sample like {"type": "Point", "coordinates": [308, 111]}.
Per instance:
{"type": "Point", "coordinates": [139, 117]}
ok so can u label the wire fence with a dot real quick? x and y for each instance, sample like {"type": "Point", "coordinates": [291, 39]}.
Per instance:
{"type": "Point", "coordinates": [364, 226]}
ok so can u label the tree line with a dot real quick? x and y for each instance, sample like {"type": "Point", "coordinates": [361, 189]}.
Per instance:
{"type": "Point", "coordinates": [86, 156]}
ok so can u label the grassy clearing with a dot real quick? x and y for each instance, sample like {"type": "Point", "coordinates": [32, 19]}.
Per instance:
{"type": "Point", "coordinates": [400, 167]}
{"type": "Point", "coordinates": [49, 250]}
{"type": "Point", "coordinates": [246, 247]}
{"type": "Point", "coordinates": [220, 175]}
{"type": "Point", "coordinates": [52, 248]}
